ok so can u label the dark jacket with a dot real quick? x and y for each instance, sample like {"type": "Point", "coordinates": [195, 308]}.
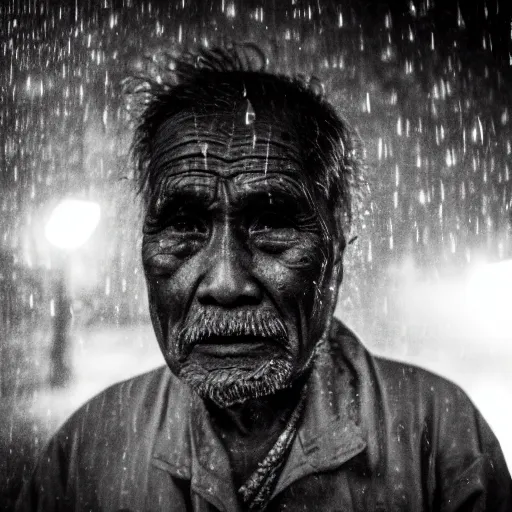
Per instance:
{"type": "Point", "coordinates": [376, 435]}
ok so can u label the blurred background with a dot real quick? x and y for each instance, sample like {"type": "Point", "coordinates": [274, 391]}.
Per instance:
{"type": "Point", "coordinates": [428, 85]}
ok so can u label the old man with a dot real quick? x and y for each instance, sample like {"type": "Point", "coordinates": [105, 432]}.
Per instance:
{"type": "Point", "coordinates": [268, 403]}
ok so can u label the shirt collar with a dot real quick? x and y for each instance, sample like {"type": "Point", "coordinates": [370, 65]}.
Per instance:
{"type": "Point", "coordinates": [330, 433]}
{"type": "Point", "coordinates": [188, 448]}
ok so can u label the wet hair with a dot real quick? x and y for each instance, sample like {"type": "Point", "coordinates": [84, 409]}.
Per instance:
{"type": "Point", "coordinates": [213, 80]}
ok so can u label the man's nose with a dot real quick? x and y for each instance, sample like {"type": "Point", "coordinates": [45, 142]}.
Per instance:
{"type": "Point", "coordinates": [228, 282]}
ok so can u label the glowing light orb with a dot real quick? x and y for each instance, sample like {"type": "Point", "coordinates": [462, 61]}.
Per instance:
{"type": "Point", "coordinates": [71, 223]}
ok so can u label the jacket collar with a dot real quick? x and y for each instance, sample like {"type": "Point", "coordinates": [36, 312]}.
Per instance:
{"type": "Point", "coordinates": [188, 448]}
{"type": "Point", "coordinates": [331, 431]}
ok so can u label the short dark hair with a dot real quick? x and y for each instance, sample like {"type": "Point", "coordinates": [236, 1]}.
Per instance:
{"type": "Point", "coordinates": [213, 79]}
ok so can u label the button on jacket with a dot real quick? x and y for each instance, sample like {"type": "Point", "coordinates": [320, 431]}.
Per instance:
{"type": "Point", "coordinates": [375, 435]}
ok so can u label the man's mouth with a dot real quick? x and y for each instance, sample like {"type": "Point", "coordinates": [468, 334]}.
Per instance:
{"type": "Point", "coordinates": [236, 346]}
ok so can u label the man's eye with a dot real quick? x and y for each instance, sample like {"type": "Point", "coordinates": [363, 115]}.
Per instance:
{"type": "Point", "coordinates": [187, 225]}
{"type": "Point", "coordinates": [273, 232]}
{"type": "Point", "coordinates": [269, 222]}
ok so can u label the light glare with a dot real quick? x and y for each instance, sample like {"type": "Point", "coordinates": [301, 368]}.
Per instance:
{"type": "Point", "coordinates": [71, 223]}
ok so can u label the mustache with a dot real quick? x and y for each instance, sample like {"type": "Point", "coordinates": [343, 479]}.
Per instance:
{"type": "Point", "coordinates": [206, 323]}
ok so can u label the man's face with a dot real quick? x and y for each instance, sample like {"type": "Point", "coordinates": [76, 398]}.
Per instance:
{"type": "Point", "coordinates": [237, 255]}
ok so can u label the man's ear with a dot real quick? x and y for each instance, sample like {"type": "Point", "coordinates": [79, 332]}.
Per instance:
{"type": "Point", "coordinates": [339, 249]}
{"type": "Point", "coordinates": [339, 271]}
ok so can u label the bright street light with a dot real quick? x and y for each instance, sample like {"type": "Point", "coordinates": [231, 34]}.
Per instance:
{"type": "Point", "coordinates": [71, 223]}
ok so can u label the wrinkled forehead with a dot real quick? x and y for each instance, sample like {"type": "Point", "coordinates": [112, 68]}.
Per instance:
{"type": "Point", "coordinates": [227, 144]}
{"type": "Point", "coordinates": [252, 158]}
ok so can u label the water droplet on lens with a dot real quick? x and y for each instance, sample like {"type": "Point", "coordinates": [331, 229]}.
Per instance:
{"type": "Point", "coordinates": [250, 115]}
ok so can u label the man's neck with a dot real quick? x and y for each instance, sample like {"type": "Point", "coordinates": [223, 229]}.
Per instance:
{"type": "Point", "coordinates": [249, 430]}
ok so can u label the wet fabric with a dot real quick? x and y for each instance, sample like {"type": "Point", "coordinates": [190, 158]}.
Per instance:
{"type": "Point", "coordinates": [375, 435]}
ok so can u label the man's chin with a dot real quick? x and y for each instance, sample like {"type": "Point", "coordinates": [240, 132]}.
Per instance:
{"type": "Point", "coordinates": [230, 385]}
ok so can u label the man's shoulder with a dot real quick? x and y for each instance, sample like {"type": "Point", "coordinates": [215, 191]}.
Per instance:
{"type": "Point", "coordinates": [139, 388]}
{"type": "Point", "coordinates": [110, 442]}
{"type": "Point", "coordinates": [396, 372]}
{"type": "Point", "coordinates": [403, 378]}
{"type": "Point", "coordinates": [416, 420]}
{"type": "Point", "coordinates": [398, 381]}
{"type": "Point", "coordinates": [127, 404]}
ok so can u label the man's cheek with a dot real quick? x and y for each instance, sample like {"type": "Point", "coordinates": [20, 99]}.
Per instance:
{"type": "Point", "coordinates": [168, 283]}
{"type": "Point", "coordinates": [169, 294]}
{"type": "Point", "coordinates": [166, 310]}
{"type": "Point", "coordinates": [288, 279]}
{"type": "Point", "coordinates": [303, 264]}
{"type": "Point", "coordinates": [157, 260]}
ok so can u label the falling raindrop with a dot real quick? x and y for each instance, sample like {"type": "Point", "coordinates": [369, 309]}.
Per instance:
{"type": "Point", "coordinates": [250, 115]}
